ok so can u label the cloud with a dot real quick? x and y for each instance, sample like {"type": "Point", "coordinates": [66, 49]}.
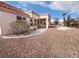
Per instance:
{"type": "Point", "coordinates": [69, 6]}
{"type": "Point", "coordinates": [42, 3]}
{"type": "Point", "coordinates": [72, 6]}
{"type": "Point", "coordinates": [24, 4]}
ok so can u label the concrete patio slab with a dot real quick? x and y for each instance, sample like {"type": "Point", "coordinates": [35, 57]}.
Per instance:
{"type": "Point", "coordinates": [64, 28]}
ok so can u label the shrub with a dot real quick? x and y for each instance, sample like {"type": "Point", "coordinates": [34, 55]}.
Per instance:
{"type": "Point", "coordinates": [56, 22]}
{"type": "Point", "coordinates": [19, 26]}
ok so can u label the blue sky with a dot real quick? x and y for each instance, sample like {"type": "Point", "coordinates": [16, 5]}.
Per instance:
{"type": "Point", "coordinates": [54, 8]}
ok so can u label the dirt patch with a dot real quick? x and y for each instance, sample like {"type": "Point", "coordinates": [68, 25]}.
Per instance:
{"type": "Point", "coordinates": [51, 43]}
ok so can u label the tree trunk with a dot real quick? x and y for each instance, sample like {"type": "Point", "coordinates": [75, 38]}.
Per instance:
{"type": "Point", "coordinates": [64, 21]}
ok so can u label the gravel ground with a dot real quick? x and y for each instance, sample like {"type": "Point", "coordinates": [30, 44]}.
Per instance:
{"type": "Point", "coordinates": [51, 43]}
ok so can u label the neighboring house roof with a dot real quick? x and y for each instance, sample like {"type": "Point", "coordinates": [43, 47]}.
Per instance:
{"type": "Point", "coordinates": [32, 12]}
{"type": "Point", "coordinates": [45, 14]}
{"type": "Point", "coordinates": [38, 14]}
{"type": "Point", "coordinates": [17, 11]}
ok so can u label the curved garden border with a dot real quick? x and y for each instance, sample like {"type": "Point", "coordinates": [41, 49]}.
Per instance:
{"type": "Point", "coordinates": [23, 36]}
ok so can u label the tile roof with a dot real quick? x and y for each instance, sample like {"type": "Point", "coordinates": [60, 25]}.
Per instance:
{"type": "Point", "coordinates": [18, 11]}
{"type": "Point", "coordinates": [32, 12]}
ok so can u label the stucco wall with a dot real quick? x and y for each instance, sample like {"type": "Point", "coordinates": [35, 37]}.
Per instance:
{"type": "Point", "coordinates": [28, 20]}
{"type": "Point", "coordinates": [35, 16]}
{"type": "Point", "coordinates": [43, 16]}
{"type": "Point", "coordinates": [5, 19]}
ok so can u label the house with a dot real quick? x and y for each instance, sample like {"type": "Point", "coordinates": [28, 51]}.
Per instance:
{"type": "Point", "coordinates": [33, 19]}
{"type": "Point", "coordinates": [39, 20]}
{"type": "Point", "coordinates": [45, 20]}
{"type": "Point", "coordinates": [9, 13]}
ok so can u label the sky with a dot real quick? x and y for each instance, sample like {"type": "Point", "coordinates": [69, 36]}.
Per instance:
{"type": "Point", "coordinates": [54, 8]}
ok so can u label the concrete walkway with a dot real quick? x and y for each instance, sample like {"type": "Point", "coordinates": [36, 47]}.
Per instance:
{"type": "Point", "coordinates": [64, 28]}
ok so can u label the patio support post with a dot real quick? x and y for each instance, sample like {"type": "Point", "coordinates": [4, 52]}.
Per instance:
{"type": "Point", "coordinates": [33, 22]}
{"type": "Point", "coordinates": [46, 23]}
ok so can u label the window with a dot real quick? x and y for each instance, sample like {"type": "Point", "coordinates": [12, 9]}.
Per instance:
{"type": "Point", "coordinates": [24, 18]}
{"type": "Point", "coordinates": [31, 20]}
{"type": "Point", "coordinates": [18, 17]}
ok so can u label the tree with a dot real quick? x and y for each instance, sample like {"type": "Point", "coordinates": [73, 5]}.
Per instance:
{"type": "Point", "coordinates": [68, 21]}
{"type": "Point", "coordinates": [56, 22]}
{"type": "Point", "coordinates": [64, 14]}
{"type": "Point", "coordinates": [77, 24]}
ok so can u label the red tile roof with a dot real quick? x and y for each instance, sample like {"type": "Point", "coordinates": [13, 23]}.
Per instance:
{"type": "Point", "coordinates": [32, 12]}
{"type": "Point", "coordinates": [18, 11]}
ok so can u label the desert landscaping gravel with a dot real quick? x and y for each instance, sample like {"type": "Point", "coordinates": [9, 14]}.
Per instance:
{"type": "Point", "coordinates": [51, 43]}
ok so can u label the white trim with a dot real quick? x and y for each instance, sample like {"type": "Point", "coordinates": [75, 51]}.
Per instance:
{"type": "Point", "coordinates": [46, 22]}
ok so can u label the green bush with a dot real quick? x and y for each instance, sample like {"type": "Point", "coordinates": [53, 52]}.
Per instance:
{"type": "Point", "coordinates": [19, 27]}
{"type": "Point", "coordinates": [77, 26]}
{"type": "Point", "coordinates": [70, 25]}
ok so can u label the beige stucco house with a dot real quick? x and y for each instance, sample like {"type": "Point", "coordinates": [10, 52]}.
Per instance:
{"type": "Point", "coordinates": [39, 20]}
{"type": "Point", "coordinates": [9, 13]}
{"type": "Point", "coordinates": [33, 19]}
{"type": "Point", "coordinates": [45, 20]}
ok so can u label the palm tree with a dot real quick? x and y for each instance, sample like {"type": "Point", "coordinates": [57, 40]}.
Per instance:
{"type": "Point", "coordinates": [64, 14]}
{"type": "Point", "coordinates": [68, 20]}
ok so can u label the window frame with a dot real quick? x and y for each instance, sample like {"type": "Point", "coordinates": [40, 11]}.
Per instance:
{"type": "Point", "coordinates": [19, 17]}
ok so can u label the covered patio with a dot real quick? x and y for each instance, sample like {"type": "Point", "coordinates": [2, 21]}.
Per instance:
{"type": "Point", "coordinates": [42, 23]}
